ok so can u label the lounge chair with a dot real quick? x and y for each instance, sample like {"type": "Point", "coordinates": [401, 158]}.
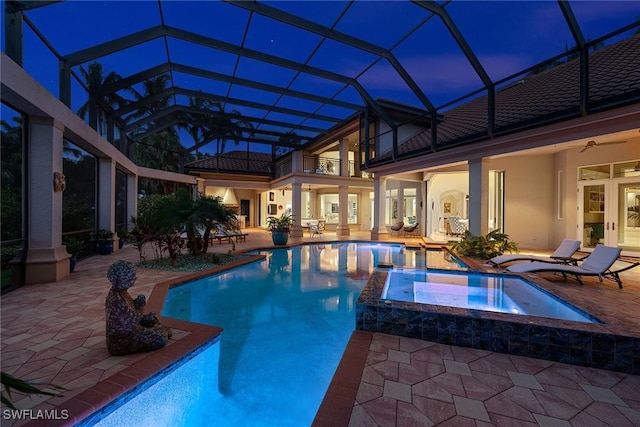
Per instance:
{"type": "Point", "coordinates": [598, 263]}
{"type": "Point", "coordinates": [410, 229]}
{"type": "Point", "coordinates": [563, 255]}
{"type": "Point", "coordinates": [397, 227]}
{"type": "Point", "coordinates": [223, 233]}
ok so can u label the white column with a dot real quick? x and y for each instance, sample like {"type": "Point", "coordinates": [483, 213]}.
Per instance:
{"type": "Point", "coordinates": [343, 212]}
{"type": "Point", "coordinates": [47, 259]}
{"type": "Point", "coordinates": [379, 231]}
{"type": "Point", "coordinates": [107, 195]}
{"type": "Point", "coordinates": [296, 207]}
{"type": "Point", "coordinates": [344, 158]}
{"type": "Point", "coordinates": [478, 191]}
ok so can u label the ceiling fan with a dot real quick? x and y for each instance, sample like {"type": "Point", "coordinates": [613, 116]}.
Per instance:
{"type": "Point", "coordinates": [592, 144]}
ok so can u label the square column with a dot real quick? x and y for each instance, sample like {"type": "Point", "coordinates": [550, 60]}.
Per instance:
{"type": "Point", "coordinates": [478, 191]}
{"type": "Point", "coordinates": [107, 195]}
{"type": "Point", "coordinates": [47, 259]}
{"type": "Point", "coordinates": [379, 231]}
{"type": "Point", "coordinates": [344, 158]}
{"type": "Point", "coordinates": [296, 209]}
{"type": "Point", "coordinates": [343, 213]}
{"type": "Point", "coordinates": [132, 199]}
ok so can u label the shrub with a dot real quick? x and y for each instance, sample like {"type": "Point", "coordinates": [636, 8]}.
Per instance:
{"type": "Point", "coordinates": [484, 247]}
{"type": "Point", "coordinates": [7, 254]}
{"type": "Point", "coordinates": [74, 246]}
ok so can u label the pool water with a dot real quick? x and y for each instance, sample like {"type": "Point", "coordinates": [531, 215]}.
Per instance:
{"type": "Point", "coordinates": [489, 292]}
{"type": "Point", "coordinates": [287, 320]}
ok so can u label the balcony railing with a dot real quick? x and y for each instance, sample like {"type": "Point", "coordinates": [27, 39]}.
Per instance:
{"type": "Point", "coordinates": [330, 166]}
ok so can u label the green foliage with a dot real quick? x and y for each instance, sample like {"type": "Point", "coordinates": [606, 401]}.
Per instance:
{"type": "Point", "coordinates": [11, 212]}
{"type": "Point", "coordinates": [104, 236]}
{"type": "Point", "coordinates": [74, 246]}
{"type": "Point", "coordinates": [123, 234]}
{"type": "Point", "coordinates": [163, 218]}
{"type": "Point", "coordinates": [140, 236]}
{"type": "Point", "coordinates": [79, 197]}
{"type": "Point", "coordinates": [484, 247]}
{"type": "Point", "coordinates": [10, 382]}
{"type": "Point", "coordinates": [281, 223]}
{"type": "Point", "coordinates": [8, 253]}
{"type": "Point", "coordinates": [11, 158]}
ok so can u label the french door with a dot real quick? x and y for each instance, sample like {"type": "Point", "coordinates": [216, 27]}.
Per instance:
{"type": "Point", "coordinates": [609, 214]}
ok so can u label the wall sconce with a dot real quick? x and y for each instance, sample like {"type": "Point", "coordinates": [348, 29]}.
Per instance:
{"type": "Point", "coordinates": [466, 197]}
{"type": "Point", "coordinates": [283, 192]}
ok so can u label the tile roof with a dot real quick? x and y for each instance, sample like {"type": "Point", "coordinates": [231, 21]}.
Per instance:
{"type": "Point", "coordinates": [234, 161]}
{"type": "Point", "coordinates": [613, 71]}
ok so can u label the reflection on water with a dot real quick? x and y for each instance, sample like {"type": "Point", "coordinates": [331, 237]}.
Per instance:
{"type": "Point", "coordinates": [286, 320]}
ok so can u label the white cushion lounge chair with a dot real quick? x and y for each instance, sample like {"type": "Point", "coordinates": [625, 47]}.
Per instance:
{"type": "Point", "coordinates": [563, 255]}
{"type": "Point", "coordinates": [598, 263]}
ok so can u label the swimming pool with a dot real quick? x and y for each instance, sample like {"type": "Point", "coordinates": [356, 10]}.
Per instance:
{"type": "Point", "coordinates": [488, 292]}
{"type": "Point", "coordinates": [286, 323]}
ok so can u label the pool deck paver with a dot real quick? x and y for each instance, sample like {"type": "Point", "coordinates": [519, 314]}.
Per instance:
{"type": "Point", "coordinates": [54, 333]}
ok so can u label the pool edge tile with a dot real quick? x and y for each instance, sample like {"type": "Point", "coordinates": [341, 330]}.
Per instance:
{"type": "Point", "coordinates": [337, 404]}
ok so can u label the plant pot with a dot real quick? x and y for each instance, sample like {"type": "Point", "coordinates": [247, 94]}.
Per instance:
{"type": "Point", "coordinates": [280, 237]}
{"type": "Point", "coordinates": [120, 243]}
{"type": "Point", "coordinates": [105, 248]}
{"type": "Point", "coordinates": [72, 263]}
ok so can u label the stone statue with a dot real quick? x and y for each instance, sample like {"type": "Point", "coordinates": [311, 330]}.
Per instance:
{"type": "Point", "coordinates": [128, 329]}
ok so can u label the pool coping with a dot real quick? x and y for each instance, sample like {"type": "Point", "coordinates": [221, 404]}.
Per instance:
{"type": "Point", "coordinates": [108, 391]}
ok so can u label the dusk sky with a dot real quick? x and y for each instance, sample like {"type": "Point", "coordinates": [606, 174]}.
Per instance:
{"type": "Point", "coordinates": [506, 36]}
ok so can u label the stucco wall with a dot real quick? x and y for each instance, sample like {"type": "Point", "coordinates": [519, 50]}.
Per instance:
{"type": "Point", "coordinates": [529, 193]}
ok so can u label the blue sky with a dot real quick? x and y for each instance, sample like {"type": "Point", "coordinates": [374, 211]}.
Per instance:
{"type": "Point", "coordinates": [506, 36]}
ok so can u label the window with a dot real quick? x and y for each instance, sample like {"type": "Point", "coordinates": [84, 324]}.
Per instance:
{"type": "Point", "coordinates": [560, 195]}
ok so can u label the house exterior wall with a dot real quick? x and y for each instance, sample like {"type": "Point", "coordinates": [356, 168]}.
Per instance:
{"type": "Point", "coordinates": [529, 199]}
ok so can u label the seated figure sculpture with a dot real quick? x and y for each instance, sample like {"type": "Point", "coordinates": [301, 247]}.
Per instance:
{"type": "Point", "coordinates": [129, 330]}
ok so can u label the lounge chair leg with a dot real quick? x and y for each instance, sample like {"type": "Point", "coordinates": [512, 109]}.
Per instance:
{"type": "Point", "coordinates": [616, 277]}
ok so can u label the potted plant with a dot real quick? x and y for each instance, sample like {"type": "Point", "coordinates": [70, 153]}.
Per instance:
{"type": "Point", "coordinates": [74, 248]}
{"type": "Point", "coordinates": [279, 227]}
{"type": "Point", "coordinates": [123, 235]}
{"type": "Point", "coordinates": [104, 238]}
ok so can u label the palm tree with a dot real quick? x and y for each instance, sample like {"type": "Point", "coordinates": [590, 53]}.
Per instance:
{"type": "Point", "coordinates": [223, 127]}
{"type": "Point", "coordinates": [161, 150]}
{"type": "Point", "coordinates": [152, 87]}
{"type": "Point", "coordinates": [95, 80]}
{"type": "Point", "coordinates": [230, 126]}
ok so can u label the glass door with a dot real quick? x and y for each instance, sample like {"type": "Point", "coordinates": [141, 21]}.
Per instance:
{"type": "Point", "coordinates": [625, 224]}
{"type": "Point", "coordinates": [610, 214]}
{"type": "Point", "coordinates": [592, 213]}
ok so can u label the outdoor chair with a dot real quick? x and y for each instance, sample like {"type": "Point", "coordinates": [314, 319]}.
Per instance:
{"type": "Point", "coordinates": [458, 225]}
{"type": "Point", "coordinates": [316, 228]}
{"type": "Point", "coordinates": [224, 233]}
{"type": "Point", "coordinates": [598, 263]}
{"type": "Point", "coordinates": [410, 229]}
{"type": "Point", "coordinates": [563, 255]}
{"type": "Point", "coordinates": [397, 227]}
